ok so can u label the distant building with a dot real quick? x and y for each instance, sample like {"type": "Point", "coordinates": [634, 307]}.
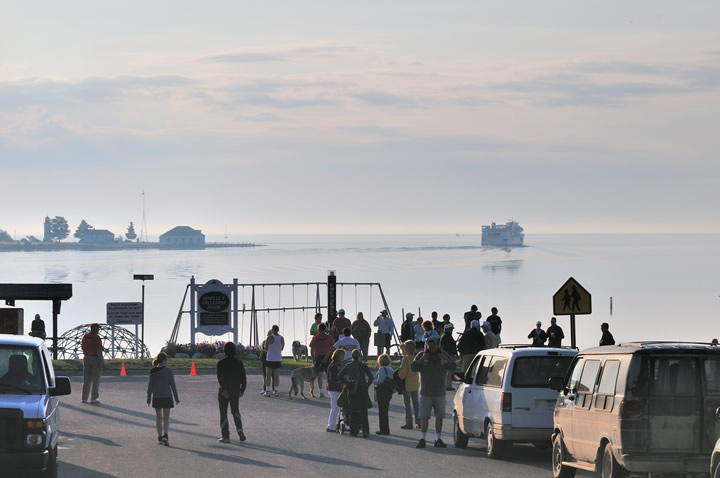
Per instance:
{"type": "Point", "coordinates": [183, 237]}
{"type": "Point", "coordinates": [98, 236]}
{"type": "Point", "coordinates": [47, 236]}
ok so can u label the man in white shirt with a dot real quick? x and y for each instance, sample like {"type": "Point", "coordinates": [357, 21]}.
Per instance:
{"type": "Point", "coordinates": [347, 343]}
{"type": "Point", "coordinates": [385, 326]}
{"type": "Point", "coordinates": [491, 340]}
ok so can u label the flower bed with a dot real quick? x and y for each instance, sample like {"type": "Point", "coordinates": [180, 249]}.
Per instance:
{"type": "Point", "coordinates": [208, 349]}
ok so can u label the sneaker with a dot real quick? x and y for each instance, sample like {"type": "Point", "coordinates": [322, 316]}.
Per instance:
{"type": "Point", "coordinates": [165, 440]}
{"type": "Point", "coordinates": [440, 444]}
{"type": "Point", "coordinates": [266, 394]}
{"type": "Point", "coordinates": [160, 442]}
{"type": "Point", "coordinates": [97, 400]}
{"type": "Point", "coordinates": [407, 427]}
{"type": "Point", "coordinates": [241, 435]}
{"type": "Point", "coordinates": [85, 401]}
{"type": "Point", "coordinates": [365, 435]}
{"type": "Point", "coordinates": [223, 440]}
{"type": "Point", "coordinates": [417, 426]}
{"type": "Point", "coordinates": [380, 432]}
{"type": "Point", "coordinates": [331, 430]}
{"type": "Point", "coordinates": [275, 393]}
{"type": "Point", "coordinates": [263, 392]}
{"type": "Point", "coordinates": [421, 444]}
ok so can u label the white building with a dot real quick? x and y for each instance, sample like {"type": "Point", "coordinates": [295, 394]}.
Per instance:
{"type": "Point", "coordinates": [183, 237]}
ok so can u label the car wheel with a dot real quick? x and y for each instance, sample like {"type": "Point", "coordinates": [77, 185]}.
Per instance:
{"type": "Point", "coordinates": [558, 456]}
{"type": "Point", "coordinates": [610, 467]}
{"type": "Point", "coordinates": [495, 447]}
{"type": "Point", "coordinates": [716, 474]}
{"type": "Point", "coordinates": [51, 471]}
{"type": "Point", "coordinates": [459, 438]}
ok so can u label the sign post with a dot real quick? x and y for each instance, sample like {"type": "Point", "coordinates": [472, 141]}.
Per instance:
{"type": "Point", "coordinates": [572, 299]}
{"type": "Point", "coordinates": [332, 297]}
{"type": "Point", "coordinates": [143, 278]}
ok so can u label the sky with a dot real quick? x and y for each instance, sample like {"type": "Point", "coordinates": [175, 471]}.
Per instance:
{"type": "Point", "coordinates": [245, 118]}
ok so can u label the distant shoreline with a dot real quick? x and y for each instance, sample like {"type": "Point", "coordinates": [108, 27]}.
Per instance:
{"type": "Point", "coordinates": [115, 246]}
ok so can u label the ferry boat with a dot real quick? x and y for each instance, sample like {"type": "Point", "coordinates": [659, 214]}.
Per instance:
{"type": "Point", "coordinates": [509, 234]}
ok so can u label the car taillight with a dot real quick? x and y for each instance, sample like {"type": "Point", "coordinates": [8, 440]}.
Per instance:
{"type": "Point", "coordinates": [631, 409]}
{"type": "Point", "coordinates": [506, 402]}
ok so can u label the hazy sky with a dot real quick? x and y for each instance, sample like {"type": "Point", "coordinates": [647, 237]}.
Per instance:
{"type": "Point", "coordinates": [361, 117]}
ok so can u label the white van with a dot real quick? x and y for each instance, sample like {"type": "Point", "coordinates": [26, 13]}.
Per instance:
{"type": "Point", "coordinates": [504, 396]}
{"type": "Point", "coordinates": [29, 408]}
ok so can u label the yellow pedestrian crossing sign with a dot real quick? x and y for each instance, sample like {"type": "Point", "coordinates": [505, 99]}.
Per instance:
{"type": "Point", "coordinates": [572, 299]}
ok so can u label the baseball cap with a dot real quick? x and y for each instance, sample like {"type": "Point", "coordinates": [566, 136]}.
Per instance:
{"type": "Point", "coordinates": [474, 323]}
{"type": "Point", "coordinates": [341, 311]}
{"type": "Point", "coordinates": [486, 324]}
{"type": "Point", "coordinates": [409, 314]}
{"type": "Point", "coordinates": [538, 323]}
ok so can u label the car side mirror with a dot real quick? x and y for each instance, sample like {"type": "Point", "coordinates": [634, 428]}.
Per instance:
{"type": "Point", "coordinates": [62, 387]}
{"type": "Point", "coordinates": [458, 377]}
{"type": "Point", "coordinates": [717, 413]}
{"type": "Point", "coordinates": [556, 383]}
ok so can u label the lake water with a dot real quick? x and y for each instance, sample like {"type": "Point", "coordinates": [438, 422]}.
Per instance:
{"type": "Point", "coordinates": [664, 287]}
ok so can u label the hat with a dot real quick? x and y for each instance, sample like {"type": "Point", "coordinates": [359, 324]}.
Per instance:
{"type": "Point", "coordinates": [474, 323]}
{"type": "Point", "coordinates": [448, 325]}
{"type": "Point", "coordinates": [383, 311]}
{"type": "Point", "coordinates": [409, 315]}
{"type": "Point", "coordinates": [341, 311]}
{"type": "Point", "coordinates": [538, 323]}
{"type": "Point", "coordinates": [486, 324]}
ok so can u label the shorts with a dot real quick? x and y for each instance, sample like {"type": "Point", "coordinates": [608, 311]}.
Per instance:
{"type": "Point", "coordinates": [270, 364]}
{"type": "Point", "coordinates": [162, 402]}
{"type": "Point", "coordinates": [428, 403]}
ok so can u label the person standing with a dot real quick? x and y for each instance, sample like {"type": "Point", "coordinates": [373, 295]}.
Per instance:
{"type": "Point", "coordinates": [555, 334]}
{"type": "Point", "coordinates": [347, 343]}
{"type": "Point", "coordinates": [471, 315]}
{"type": "Point", "coordinates": [412, 385]}
{"type": "Point", "coordinates": [471, 342]}
{"type": "Point", "coordinates": [383, 392]}
{"type": "Point", "coordinates": [232, 382]}
{"type": "Point", "coordinates": [93, 349]}
{"type": "Point", "coordinates": [433, 365]}
{"type": "Point", "coordinates": [334, 386]}
{"type": "Point", "coordinates": [316, 324]}
{"type": "Point", "coordinates": [491, 340]}
{"type": "Point", "coordinates": [320, 346]}
{"type": "Point", "coordinates": [495, 323]}
{"type": "Point", "coordinates": [263, 363]}
{"type": "Point", "coordinates": [362, 331]}
{"type": "Point", "coordinates": [160, 392]}
{"type": "Point", "coordinates": [447, 343]}
{"type": "Point", "coordinates": [275, 344]}
{"type": "Point", "coordinates": [357, 377]}
{"type": "Point", "coordinates": [406, 329]}
{"type": "Point", "coordinates": [418, 334]}
{"type": "Point", "coordinates": [607, 338]}
{"type": "Point", "coordinates": [434, 317]}
{"type": "Point", "coordinates": [538, 335]}
{"type": "Point", "coordinates": [37, 328]}
{"type": "Point", "coordinates": [339, 324]}
{"type": "Point", "coordinates": [385, 326]}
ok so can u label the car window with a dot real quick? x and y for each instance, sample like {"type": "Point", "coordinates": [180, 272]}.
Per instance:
{"type": "Point", "coordinates": [575, 374]}
{"type": "Point", "coordinates": [712, 375]}
{"type": "Point", "coordinates": [536, 371]}
{"type": "Point", "coordinates": [482, 373]}
{"type": "Point", "coordinates": [587, 383]}
{"type": "Point", "coordinates": [496, 372]}
{"type": "Point", "coordinates": [673, 376]}
{"type": "Point", "coordinates": [605, 398]}
{"type": "Point", "coordinates": [20, 370]}
{"type": "Point", "coordinates": [472, 369]}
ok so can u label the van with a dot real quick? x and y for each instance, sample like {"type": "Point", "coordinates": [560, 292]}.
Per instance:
{"type": "Point", "coordinates": [645, 407]}
{"type": "Point", "coordinates": [504, 396]}
{"type": "Point", "coordinates": [29, 407]}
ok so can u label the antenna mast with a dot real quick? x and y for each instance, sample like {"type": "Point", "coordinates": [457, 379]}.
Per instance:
{"type": "Point", "coordinates": [143, 226]}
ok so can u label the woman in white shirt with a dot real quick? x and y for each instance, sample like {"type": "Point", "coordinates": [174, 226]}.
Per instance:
{"type": "Point", "coordinates": [274, 345]}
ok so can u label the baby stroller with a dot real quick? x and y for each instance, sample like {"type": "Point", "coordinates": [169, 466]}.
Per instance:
{"type": "Point", "coordinates": [342, 424]}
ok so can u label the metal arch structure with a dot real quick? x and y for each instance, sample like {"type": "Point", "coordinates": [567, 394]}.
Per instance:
{"type": "Point", "coordinates": [70, 343]}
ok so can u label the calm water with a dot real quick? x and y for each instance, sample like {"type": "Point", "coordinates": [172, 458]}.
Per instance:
{"type": "Point", "coordinates": [663, 286]}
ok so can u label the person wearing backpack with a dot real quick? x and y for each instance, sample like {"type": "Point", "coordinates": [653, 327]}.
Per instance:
{"type": "Point", "coordinates": [357, 378]}
{"type": "Point", "coordinates": [384, 389]}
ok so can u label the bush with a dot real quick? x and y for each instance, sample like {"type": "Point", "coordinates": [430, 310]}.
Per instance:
{"type": "Point", "coordinates": [207, 348]}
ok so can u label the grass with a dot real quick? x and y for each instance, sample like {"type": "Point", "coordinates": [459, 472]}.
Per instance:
{"type": "Point", "coordinates": [76, 365]}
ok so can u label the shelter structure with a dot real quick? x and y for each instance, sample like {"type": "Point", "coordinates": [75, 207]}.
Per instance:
{"type": "Point", "coordinates": [118, 341]}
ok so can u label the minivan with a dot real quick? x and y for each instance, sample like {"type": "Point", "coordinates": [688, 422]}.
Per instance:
{"type": "Point", "coordinates": [29, 408]}
{"type": "Point", "coordinates": [644, 407]}
{"type": "Point", "coordinates": [504, 396]}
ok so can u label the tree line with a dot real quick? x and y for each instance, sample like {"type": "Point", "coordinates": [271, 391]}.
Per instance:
{"type": "Point", "coordinates": [58, 230]}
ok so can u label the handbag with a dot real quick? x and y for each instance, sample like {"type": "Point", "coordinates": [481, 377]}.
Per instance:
{"type": "Point", "coordinates": [379, 339]}
{"type": "Point", "coordinates": [398, 382]}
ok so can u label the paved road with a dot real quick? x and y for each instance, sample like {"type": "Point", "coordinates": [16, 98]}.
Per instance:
{"type": "Point", "coordinates": [118, 438]}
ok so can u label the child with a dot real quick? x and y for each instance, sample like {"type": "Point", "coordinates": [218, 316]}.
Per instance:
{"type": "Point", "coordinates": [160, 392]}
{"type": "Point", "coordinates": [233, 381]}
{"type": "Point", "coordinates": [383, 392]}
{"type": "Point", "coordinates": [430, 332]}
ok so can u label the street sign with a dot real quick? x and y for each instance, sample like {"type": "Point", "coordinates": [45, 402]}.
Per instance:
{"type": "Point", "coordinates": [124, 313]}
{"type": "Point", "coordinates": [572, 299]}
{"type": "Point", "coordinates": [143, 277]}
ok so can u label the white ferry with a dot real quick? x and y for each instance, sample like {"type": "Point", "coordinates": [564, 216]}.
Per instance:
{"type": "Point", "coordinates": [509, 234]}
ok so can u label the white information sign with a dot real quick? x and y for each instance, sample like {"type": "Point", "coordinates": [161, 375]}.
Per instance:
{"type": "Point", "coordinates": [124, 313]}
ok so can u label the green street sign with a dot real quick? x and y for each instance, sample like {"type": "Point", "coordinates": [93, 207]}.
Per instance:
{"type": "Point", "coordinates": [143, 277]}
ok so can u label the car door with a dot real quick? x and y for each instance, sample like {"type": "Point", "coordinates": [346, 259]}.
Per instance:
{"type": "Point", "coordinates": [584, 428]}
{"type": "Point", "coordinates": [711, 385]}
{"type": "Point", "coordinates": [466, 396]}
{"type": "Point", "coordinates": [474, 404]}
{"type": "Point", "coordinates": [565, 405]}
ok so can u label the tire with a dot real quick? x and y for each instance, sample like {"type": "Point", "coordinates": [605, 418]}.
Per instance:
{"type": "Point", "coordinates": [52, 469]}
{"type": "Point", "coordinates": [459, 438]}
{"type": "Point", "coordinates": [716, 474]}
{"type": "Point", "coordinates": [495, 448]}
{"type": "Point", "coordinates": [610, 467]}
{"type": "Point", "coordinates": [558, 456]}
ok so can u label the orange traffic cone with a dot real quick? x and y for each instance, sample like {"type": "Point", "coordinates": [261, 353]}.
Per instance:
{"type": "Point", "coordinates": [122, 370]}
{"type": "Point", "coordinates": [192, 370]}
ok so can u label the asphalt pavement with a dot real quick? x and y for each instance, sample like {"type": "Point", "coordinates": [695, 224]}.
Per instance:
{"type": "Point", "coordinates": [285, 437]}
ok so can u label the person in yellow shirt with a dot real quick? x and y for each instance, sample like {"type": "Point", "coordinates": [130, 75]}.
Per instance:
{"type": "Point", "coordinates": [412, 385]}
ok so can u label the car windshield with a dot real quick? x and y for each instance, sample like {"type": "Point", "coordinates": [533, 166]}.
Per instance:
{"type": "Point", "coordinates": [20, 370]}
{"type": "Point", "coordinates": [536, 371]}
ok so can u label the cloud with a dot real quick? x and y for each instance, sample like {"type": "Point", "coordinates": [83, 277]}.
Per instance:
{"type": "Point", "coordinates": [384, 98]}
{"type": "Point", "coordinates": [270, 55]}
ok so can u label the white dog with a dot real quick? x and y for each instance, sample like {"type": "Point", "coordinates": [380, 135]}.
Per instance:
{"type": "Point", "coordinates": [299, 351]}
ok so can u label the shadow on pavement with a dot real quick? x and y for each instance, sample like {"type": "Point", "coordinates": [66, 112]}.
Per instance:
{"type": "Point", "coordinates": [312, 458]}
{"type": "Point", "coordinates": [104, 441]}
{"type": "Point", "coordinates": [67, 470]}
{"type": "Point", "coordinates": [228, 458]}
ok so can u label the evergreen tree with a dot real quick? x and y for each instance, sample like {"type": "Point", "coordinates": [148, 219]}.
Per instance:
{"type": "Point", "coordinates": [131, 232]}
{"type": "Point", "coordinates": [59, 229]}
{"type": "Point", "coordinates": [5, 237]}
{"type": "Point", "coordinates": [82, 229]}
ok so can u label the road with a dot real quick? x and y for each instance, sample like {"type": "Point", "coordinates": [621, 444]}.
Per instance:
{"type": "Point", "coordinates": [285, 437]}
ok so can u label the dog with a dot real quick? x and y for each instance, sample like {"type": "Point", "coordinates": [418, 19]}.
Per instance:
{"type": "Point", "coordinates": [300, 351]}
{"type": "Point", "coordinates": [299, 377]}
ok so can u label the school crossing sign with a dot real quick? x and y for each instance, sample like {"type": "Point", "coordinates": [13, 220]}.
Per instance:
{"type": "Point", "coordinates": [572, 299]}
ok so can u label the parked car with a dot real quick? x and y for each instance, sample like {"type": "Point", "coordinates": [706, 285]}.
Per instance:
{"type": "Point", "coordinates": [504, 396]}
{"type": "Point", "coordinates": [647, 407]}
{"type": "Point", "coordinates": [715, 458]}
{"type": "Point", "coordinates": [29, 407]}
